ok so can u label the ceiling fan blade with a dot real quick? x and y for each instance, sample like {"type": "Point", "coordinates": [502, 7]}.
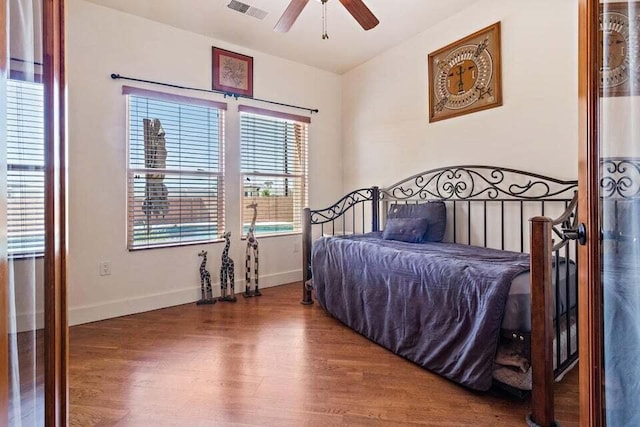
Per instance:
{"type": "Point", "coordinates": [361, 13]}
{"type": "Point", "coordinates": [290, 15]}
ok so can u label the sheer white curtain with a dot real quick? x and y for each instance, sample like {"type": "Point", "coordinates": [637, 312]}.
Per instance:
{"type": "Point", "coordinates": [26, 397]}
{"type": "Point", "coordinates": [620, 152]}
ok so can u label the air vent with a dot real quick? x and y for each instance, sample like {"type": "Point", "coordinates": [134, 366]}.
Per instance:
{"type": "Point", "coordinates": [246, 9]}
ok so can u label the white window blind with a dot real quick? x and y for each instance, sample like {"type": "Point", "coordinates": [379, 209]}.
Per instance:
{"type": "Point", "coordinates": [25, 164]}
{"type": "Point", "coordinates": [176, 170]}
{"type": "Point", "coordinates": [274, 169]}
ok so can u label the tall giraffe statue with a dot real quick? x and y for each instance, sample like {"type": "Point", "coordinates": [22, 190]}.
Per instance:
{"type": "Point", "coordinates": [252, 249]}
{"type": "Point", "coordinates": [227, 272]}
{"type": "Point", "coordinates": [206, 294]}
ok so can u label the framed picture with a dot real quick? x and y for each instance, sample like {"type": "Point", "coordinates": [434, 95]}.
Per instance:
{"type": "Point", "coordinates": [232, 72]}
{"type": "Point", "coordinates": [465, 76]}
{"type": "Point", "coordinates": [619, 49]}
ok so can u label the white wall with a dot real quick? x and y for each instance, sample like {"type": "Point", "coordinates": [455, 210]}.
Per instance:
{"type": "Point", "coordinates": [102, 41]}
{"type": "Point", "coordinates": [387, 133]}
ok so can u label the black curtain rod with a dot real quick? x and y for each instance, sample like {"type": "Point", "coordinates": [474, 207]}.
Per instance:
{"type": "Point", "coordinates": [226, 94]}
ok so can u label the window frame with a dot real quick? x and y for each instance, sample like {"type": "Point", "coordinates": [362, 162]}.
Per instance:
{"type": "Point", "coordinates": [129, 91]}
{"type": "Point", "coordinates": [304, 120]}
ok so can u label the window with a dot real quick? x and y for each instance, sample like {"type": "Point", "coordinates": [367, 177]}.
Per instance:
{"type": "Point", "coordinates": [274, 169]}
{"type": "Point", "coordinates": [176, 169]}
{"type": "Point", "coordinates": [25, 164]}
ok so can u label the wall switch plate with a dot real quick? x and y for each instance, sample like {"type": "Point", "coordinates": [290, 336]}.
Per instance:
{"type": "Point", "coordinates": [105, 268]}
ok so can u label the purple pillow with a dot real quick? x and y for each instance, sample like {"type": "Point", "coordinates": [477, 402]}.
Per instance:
{"type": "Point", "coordinates": [410, 230]}
{"type": "Point", "coordinates": [435, 213]}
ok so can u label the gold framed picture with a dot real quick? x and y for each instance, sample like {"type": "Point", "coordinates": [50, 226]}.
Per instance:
{"type": "Point", "coordinates": [465, 76]}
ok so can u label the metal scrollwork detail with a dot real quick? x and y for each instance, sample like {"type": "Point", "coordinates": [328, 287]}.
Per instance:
{"type": "Point", "coordinates": [620, 178]}
{"type": "Point", "coordinates": [338, 209]}
{"type": "Point", "coordinates": [567, 222]}
{"type": "Point", "coordinates": [478, 182]}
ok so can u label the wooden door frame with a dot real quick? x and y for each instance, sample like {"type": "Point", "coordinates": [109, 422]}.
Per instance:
{"type": "Point", "coordinates": [55, 317]}
{"type": "Point", "coordinates": [4, 290]}
{"type": "Point", "coordinates": [55, 295]}
{"type": "Point", "coordinates": [589, 294]}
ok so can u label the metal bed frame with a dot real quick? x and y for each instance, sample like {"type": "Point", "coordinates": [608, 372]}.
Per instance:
{"type": "Point", "coordinates": [475, 196]}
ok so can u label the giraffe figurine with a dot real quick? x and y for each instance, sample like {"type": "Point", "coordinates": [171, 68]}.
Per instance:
{"type": "Point", "coordinates": [227, 272]}
{"type": "Point", "coordinates": [252, 249]}
{"type": "Point", "coordinates": [206, 294]}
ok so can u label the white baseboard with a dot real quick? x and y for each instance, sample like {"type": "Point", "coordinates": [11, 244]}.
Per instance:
{"type": "Point", "coordinates": [123, 307]}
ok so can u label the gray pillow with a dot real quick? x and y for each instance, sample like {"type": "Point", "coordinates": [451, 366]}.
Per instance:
{"type": "Point", "coordinates": [435, 212]}
{"type": "Point", "coordinates": [410, 230]}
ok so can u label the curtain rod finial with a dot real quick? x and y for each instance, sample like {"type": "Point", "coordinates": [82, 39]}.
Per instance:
{"type": "Point", "coordinates": [115, 76]}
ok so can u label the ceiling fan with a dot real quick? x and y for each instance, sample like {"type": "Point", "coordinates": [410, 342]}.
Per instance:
{"type": "Point", "coordinates": [356, 8]}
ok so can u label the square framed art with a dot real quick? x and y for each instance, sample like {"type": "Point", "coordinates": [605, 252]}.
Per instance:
{"type": "Point", "coordinates": [232, 72]}
{"type": "Point", "coordinates": [465, 76]}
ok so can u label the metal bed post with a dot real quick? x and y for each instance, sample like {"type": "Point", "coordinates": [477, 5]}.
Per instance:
{"type": "Point", "coordinates": [306, 257]}
{"type": "Point", "coordinates": [375, 209]}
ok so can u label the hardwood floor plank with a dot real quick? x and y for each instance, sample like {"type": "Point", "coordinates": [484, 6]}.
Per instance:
{"type": "Point", "coordinates": [266, 361]}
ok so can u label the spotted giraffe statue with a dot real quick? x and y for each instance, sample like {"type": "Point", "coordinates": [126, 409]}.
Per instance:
{"type": "Point", "coordinates": [227, 272]}
{"type": "Point", "coordinates": [252, 249]}
{"type": "Point", "coordinates": [206, 294]}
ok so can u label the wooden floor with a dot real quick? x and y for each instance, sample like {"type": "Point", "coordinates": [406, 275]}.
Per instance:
{"type": "Point", "coordinates": [266, 361]}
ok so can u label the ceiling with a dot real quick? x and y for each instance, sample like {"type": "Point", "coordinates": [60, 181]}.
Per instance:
{"type": "Point", "coordinates": [348, 45]}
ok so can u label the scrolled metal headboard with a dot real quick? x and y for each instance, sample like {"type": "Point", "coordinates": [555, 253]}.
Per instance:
{"type": "Point", "coordinates": [323, 216]}
{"type": "Point", "coordinates": [475, 182]}
{"type": "Point", "coordinates": [518, 196]}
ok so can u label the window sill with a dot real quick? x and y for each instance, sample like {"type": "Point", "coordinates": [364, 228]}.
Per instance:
{"type": "Point", "coordinates": [176, 245]}
{"type": "Point", "coordinates": [270, 235]}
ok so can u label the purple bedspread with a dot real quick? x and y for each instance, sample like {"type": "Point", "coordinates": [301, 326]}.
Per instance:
{"type": "Point", "coordinates": [439, 305]}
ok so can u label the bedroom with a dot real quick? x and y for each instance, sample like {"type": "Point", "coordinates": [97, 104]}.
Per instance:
{"type": "Point", "coordinates": [372, 128]}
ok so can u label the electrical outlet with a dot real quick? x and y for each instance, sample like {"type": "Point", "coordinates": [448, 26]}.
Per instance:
{"type": "Point", "coordinates": [296, 247]}
{"type": "Point", "coordinates": [105, 268]}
